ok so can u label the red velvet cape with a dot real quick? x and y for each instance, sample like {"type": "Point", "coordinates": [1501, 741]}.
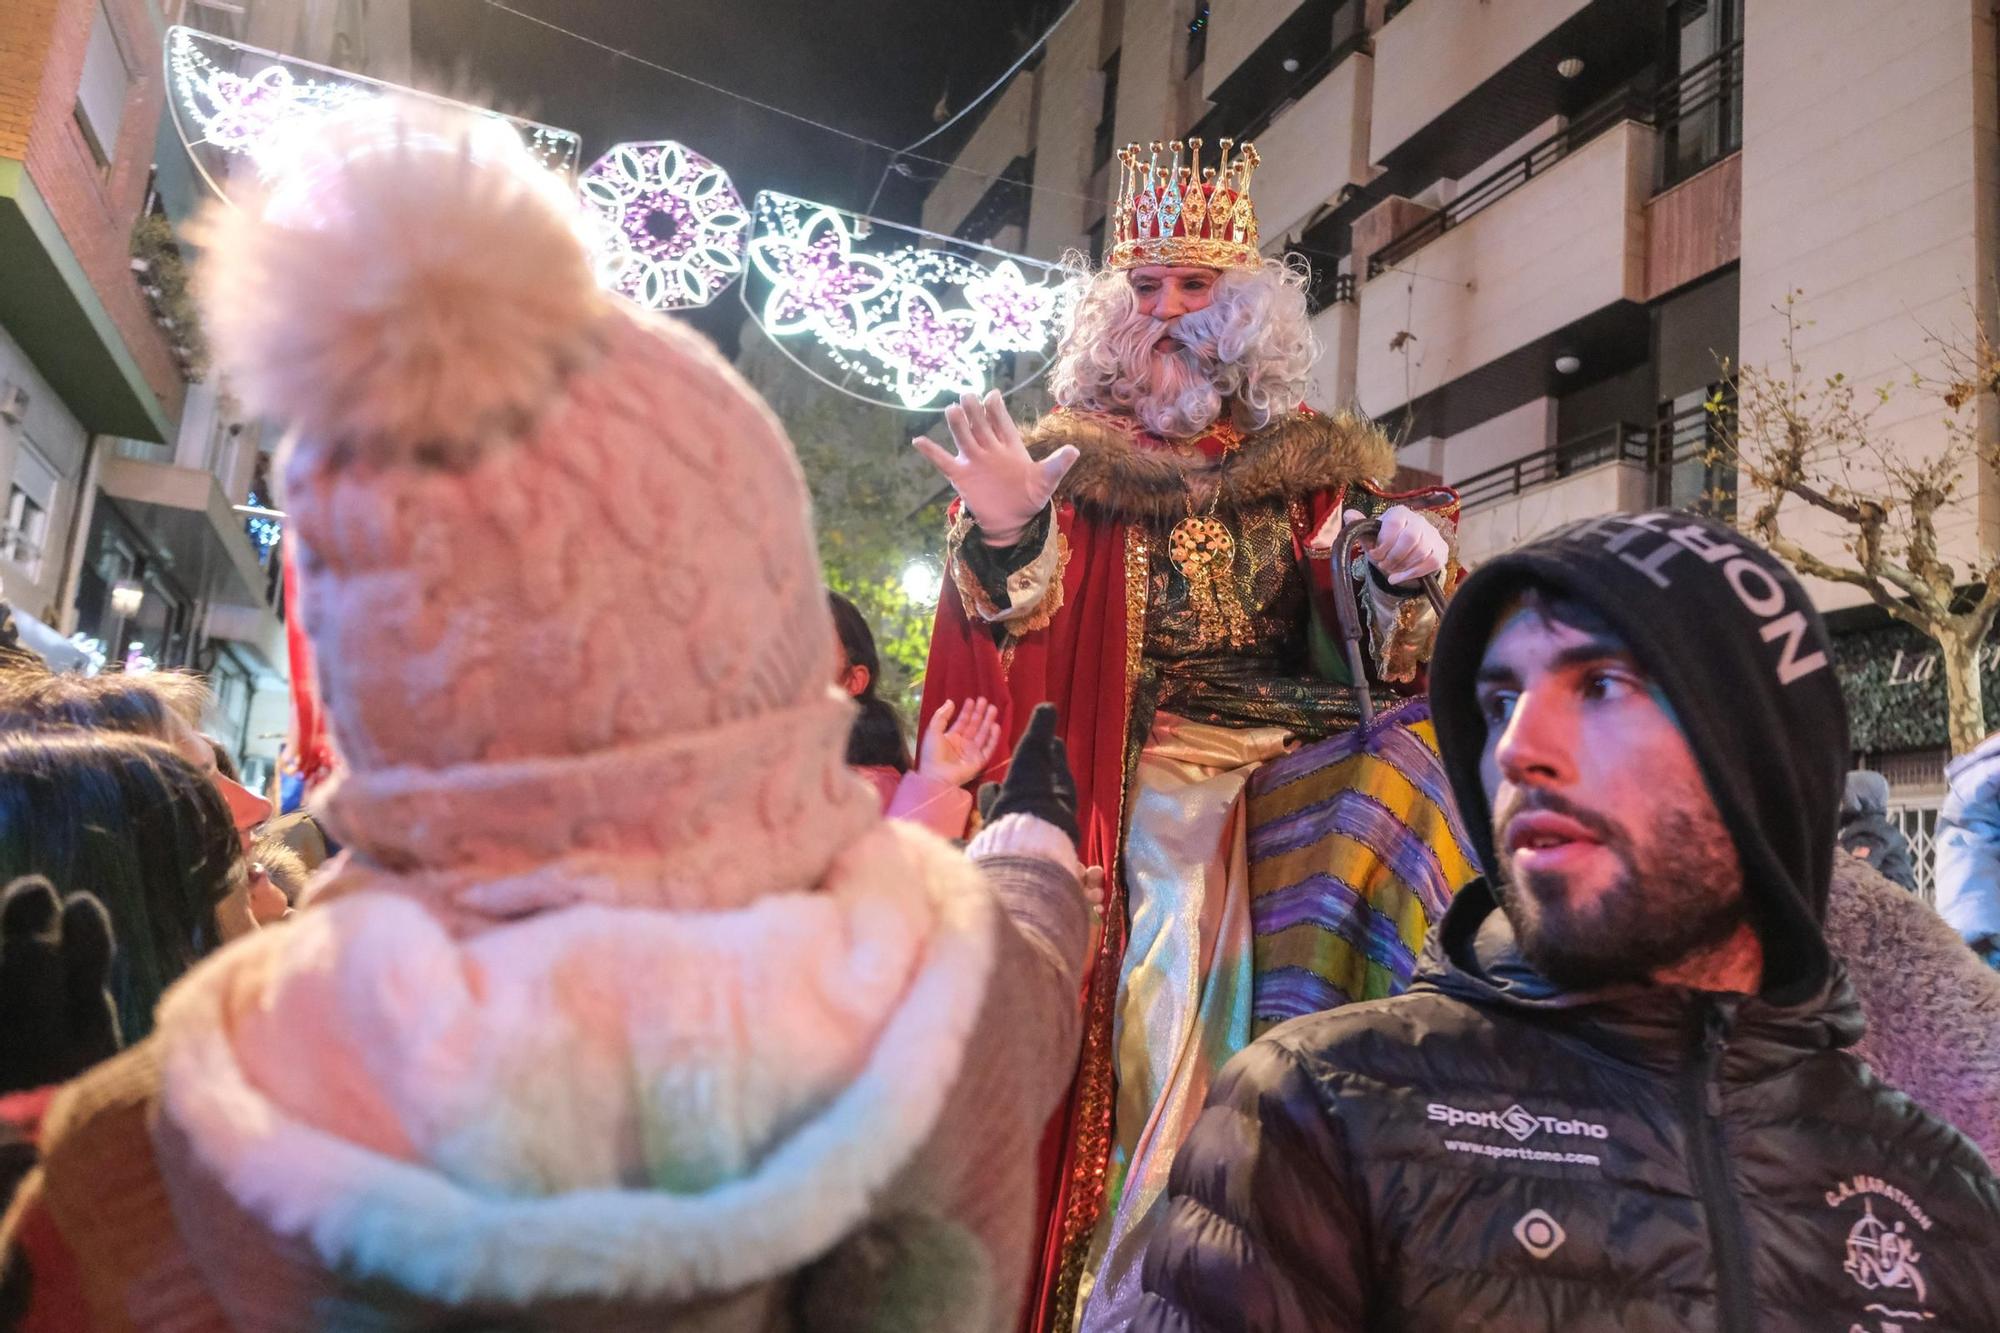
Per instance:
{"type": "Point", "coordinates": [1085, 662]}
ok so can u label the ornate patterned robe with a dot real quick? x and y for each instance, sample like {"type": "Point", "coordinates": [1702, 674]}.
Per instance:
{"type": "Point", "coordinates": [1172, 650]}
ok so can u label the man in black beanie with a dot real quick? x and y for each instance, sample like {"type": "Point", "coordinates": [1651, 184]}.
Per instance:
{"type": "Point", "coordinates": [1619, 1095]}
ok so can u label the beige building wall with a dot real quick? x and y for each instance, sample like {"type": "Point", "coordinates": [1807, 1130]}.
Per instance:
{"type": "Point", "coordinates": [1488, 530]}
{"type": "Point", "coordinates": [1317, 147]}
{"type": "Point", "coordinates": [1235, 29]}
{"type": "Point", "coordinates": [56, 438]}
{"type": "Point", "coordinates": [1528, 429]}
{"type": "Point", "coordinates": [1063, 210]}
{"type": "Point", "coordinates": [1437, 51]}
{"type": "Point", "coordinates": [1566, 244]}
{"type": "Point", "coordinates": [1005, 134]}
{"type": "Point", "coordinates": [1338, 329]}
{"type": "Point", "coordinates": [1869, 185]}
{"type": "Point", "coordinates": [1152, 59]}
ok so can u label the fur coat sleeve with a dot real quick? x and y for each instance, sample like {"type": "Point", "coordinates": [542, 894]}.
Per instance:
{"type": "Point", "coordinates": [1933, 1008]}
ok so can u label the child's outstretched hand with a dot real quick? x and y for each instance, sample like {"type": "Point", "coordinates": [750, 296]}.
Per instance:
{"type": "Point", "coordinates": [959, 742]}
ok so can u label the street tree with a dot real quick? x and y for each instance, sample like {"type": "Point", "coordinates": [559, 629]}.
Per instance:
{"type": "Point", "coordinates": [1810, 456]}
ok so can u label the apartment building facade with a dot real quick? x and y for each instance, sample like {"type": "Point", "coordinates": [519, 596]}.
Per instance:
{"type": "Point", "coordinates": [1540, 229]}
{"type": "Point", "coordinates": [83, 360]}
{"type": "Point", "coordinates": [123, 461]}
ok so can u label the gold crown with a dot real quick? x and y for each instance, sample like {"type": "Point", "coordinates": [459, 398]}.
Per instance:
{"type": "Point", "coordinates": [1170, 212]}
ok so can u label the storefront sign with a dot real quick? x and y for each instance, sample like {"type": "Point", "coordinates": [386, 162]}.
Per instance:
{"type": "Point", "coordinates": [1893, 678]}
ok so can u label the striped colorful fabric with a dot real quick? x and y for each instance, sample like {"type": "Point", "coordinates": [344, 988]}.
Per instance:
{"type": "Point", "coordinates": [1355, 849]}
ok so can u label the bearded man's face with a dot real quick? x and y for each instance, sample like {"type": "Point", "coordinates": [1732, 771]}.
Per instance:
{"type": "Point", "coordinates": [1167, 349]}
{"type": "Point", "coordinates": [1615, 863]}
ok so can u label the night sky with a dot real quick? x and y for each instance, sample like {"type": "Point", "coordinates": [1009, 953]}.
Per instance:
{"type": "Point", "coordinates": [875, 68]}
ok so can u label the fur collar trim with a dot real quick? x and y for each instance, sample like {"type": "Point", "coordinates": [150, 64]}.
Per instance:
{"type": "Point", "coordinates": [1119, 477]}
{"type": "Point", "coordinates": [596, 1102]}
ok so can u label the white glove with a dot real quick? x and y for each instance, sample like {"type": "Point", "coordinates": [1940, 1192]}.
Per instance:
{"type": "Point", "coordinates": [1409, 547]}
{"type": "Point", "coordinates": [1002, 485]}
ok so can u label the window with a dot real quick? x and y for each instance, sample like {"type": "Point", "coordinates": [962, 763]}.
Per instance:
{"type": "Point", "coordinates": [100, 96]}
{"type": "Point", "coordinates": [1096, 235]}
{"type": "Point", "coordinates": [1197, 47]}
{"type": "Point", "coordinates": [29, 499]}
{"type": "Point", "coordinates": [1107, 115]}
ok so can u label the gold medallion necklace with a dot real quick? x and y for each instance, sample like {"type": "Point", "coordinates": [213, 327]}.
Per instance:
{"type": "Point", "coordinates": [1201, 548]}
{"type": "Point", "coordinates": [1200, 545]}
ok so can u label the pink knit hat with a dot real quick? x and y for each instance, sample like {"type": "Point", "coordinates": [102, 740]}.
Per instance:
{"type": "Point", "coordinates": [556, 557]}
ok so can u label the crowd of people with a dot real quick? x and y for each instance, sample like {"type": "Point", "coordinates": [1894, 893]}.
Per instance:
{"type": "Point", "coordinates": [1274, 926]}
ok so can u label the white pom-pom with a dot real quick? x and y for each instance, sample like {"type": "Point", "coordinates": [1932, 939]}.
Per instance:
{"type": "Point", "coordinates": [413, 279]}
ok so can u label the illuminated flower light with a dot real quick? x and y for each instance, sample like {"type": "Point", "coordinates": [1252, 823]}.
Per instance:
{"type": "Point", "coordinates": [1014, 314]}
{"type": "Point", "coordinates": [906, 327]}
{"type": "Point", "coordinates": [255, 116]}
{"type": "Point", "coordinates": [816, 279]}
{"type": "Point", "coordinates": [932, 352]}
{"type": "Point", "coordinates": [672, 223]}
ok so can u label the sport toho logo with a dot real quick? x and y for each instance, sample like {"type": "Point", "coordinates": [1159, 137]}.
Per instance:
{"type": "Point", "coordinates": [1518, 1121]}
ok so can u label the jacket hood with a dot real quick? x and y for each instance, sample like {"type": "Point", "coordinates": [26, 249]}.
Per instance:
{"type": "Point", "coordinates": [1473, 956]}
{"type": "Point", "coordinates": [1865, 792]}
{"type": "Point", "coordinates": [1742, 660]}
{"type": "Point", "coordinates": [592, 1103]}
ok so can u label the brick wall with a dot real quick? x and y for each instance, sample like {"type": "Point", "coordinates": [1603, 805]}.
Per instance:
{"type": "Point", "coordinates": [24, 46]}
{"type": "Point", "coordinates": [42, 44]}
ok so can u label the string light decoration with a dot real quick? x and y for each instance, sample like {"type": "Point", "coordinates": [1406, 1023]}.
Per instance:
{"type": "Point", "coordinates": [235, 103]}
{"type": "Point", "coordinates": [672, 224]}
{"type": "Point", "coordinates": [913, 326]}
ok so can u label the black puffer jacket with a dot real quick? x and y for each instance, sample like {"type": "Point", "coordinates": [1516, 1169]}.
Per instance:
{"type": "Point", "coordinates": [1489, 1153]}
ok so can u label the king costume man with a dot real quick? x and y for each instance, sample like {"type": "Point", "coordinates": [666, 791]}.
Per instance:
{"type": "Point", "coordinates": [1146, 557]}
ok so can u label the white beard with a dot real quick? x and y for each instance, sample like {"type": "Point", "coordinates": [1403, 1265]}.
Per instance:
{"type": "Point", "coordinates": [1179, 398]}
{"type": "Point", "coordinates": [1179, 393]}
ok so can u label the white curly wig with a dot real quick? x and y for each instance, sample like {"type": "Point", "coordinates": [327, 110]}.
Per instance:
{"type": "Point", "coordinates": [1251, 349]}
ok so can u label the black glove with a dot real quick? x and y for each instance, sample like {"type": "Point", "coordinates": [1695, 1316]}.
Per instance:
{"type": "Point", "coordinates": [56, 1019]}
{"type": "Point", "coordinates": [1038, 779]}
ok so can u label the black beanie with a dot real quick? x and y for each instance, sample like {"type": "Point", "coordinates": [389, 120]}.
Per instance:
{"type": "Point", "coordinates": [1740, 654]}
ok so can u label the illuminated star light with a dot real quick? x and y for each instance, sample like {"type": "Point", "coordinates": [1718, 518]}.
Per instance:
{"type": "Point", "coordinates": [1014, 314]}
{"type": "Point", "coordinates": [260, 115]}
{"type": "Point", "coordinates": [933, 352]}
{"type": "Point", "coordinates": [673, 224]}
{"type": "Point", "coordinates": [904, 327]}
{"type": "Point", "coordinates": [816, 279]}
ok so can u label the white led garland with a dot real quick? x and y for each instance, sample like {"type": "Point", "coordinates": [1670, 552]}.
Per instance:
{"type": "Point", "coordinates": [919, 322]}
{"type": "Point", "coordinates": [908, 327]}
{"type": "Point", "coordinates": [671, 221]}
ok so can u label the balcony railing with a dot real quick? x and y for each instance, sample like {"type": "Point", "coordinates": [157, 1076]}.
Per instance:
{"type": "Point", "coordinates": [1328, 288]}
{"type": "Point", "coordinates": [1621, 442]}
{"type": "Point", "coordinates": [1683, 452]}
{"type": "Point", "coordinates": [1692, 467]}
{"type": "Point", "coordinates": [1621, 107]}
{"type": "Point", "coordinates": [1699, 116]}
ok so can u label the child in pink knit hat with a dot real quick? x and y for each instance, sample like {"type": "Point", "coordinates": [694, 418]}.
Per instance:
{"type": "Point", "coordinates": [624, 1007]}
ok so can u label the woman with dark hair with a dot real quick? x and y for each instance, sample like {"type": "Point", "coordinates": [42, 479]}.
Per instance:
{"type": "Point", "coordinates": [955, 749]}
{"type": "Point", "coordinates": [129, 820]}
{"type": "Point", "coordinates": [164, 706]}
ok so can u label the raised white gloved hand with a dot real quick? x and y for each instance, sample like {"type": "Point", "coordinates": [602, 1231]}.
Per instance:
{"type": "Point", "coordinates": [1409, 547]}
{"type": "Point", "coordinates": [1000, 482]}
